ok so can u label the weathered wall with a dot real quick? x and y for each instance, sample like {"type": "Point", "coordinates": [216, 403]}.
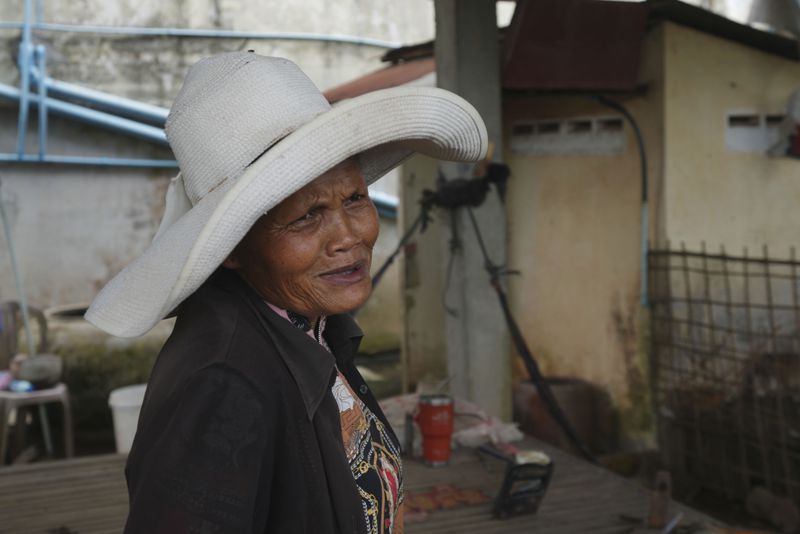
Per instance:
{"type": "Point", "coordinates": [423, 280]}
{"type": "Point", "coordinates": [574, 235]}
{"type": "Point", "coordinates": [151, 68]}
{"type": "Point", "coordinates": [75, 227]}
{"type": "Point", "coordinates": [735, 199]}
{"type": "Point", "coordinates": [574, 219]}
{"type": "Point", "coordinates": [381, 317]}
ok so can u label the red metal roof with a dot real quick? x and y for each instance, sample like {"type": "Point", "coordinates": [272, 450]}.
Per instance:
{"type": "Point", "coordinates": [574, 44]}
{"type": "Point", "coordinates": [392, 76]}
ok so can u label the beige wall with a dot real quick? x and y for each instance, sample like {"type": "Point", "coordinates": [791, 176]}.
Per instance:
{"type": "Point", "coordinates": [574, 219]}
{"type": "Point", "coordinates": [422, 281]}
{"type": "Point", "coordinates": [381, 316]}
{"type": "Point", "coordinates": [574, 235]}
{"type": "Point", "coordinates": [714, 195]}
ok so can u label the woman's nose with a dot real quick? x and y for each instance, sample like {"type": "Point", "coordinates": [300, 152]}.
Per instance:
{"type": "Point", "coordinates": [343, 232]}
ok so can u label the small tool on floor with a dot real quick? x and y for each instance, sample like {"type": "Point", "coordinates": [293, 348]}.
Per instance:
{"type": "Point", "coordinates": [525, 483]}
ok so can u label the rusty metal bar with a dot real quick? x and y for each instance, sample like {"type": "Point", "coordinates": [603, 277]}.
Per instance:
{"type": "Point", "coordinates": [756, 401]}
{"type": "Point", "coordinates": [779, 394]}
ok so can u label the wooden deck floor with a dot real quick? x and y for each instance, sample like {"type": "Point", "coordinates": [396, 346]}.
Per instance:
{"type": "Point", "coordinates": [88, 496]}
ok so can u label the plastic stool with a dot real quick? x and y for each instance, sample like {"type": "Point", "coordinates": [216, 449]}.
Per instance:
{"type": "Point", "coordinates": [10, 401]}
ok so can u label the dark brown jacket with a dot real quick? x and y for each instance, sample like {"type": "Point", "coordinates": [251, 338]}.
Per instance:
{"type": "Point", "coordinates": [239, 431]}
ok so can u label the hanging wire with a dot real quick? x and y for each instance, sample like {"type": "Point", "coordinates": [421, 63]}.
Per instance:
{"type": "Point", "coordinates": [23, 301]}
{"type": "Point", "coordinates": [542, 387]}
{"type": "Point", "coordinates": [495, 273]}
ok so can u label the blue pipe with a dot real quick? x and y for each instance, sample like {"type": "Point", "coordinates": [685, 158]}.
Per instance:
{"type": "Point", "coordinates": [100, 100]}
{"type": "Point", "coordinates": [90, 116]}
{"type": "Point", "coordinates": [24, 58]}
{"type": "Point", "coordinates": [86, 160]}
{"type": "Point", "coordinates": [384, 199]}
{"type": "Point", "coordinates": [386, 212]}
{"type": "Point", "coordinates": [41, 60]}
{"type": "Point", "coordinates": [205, 34]}
{"type": "Point", "coordinates": [385, 204]}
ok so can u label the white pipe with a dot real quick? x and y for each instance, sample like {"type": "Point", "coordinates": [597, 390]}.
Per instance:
{"type": "Point", "coordinates": [203, 33]}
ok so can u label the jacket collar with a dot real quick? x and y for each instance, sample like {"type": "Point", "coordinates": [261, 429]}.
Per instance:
{"type": "Point", "coordinates": [310, 365]}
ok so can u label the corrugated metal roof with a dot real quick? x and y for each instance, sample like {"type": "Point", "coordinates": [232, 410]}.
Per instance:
{"type": "Point", "coordinates": [574, 45]}
{"type": "Point", "coordinates": [568, 45]}
{"type": "Point", "coordinates": [381, 79]}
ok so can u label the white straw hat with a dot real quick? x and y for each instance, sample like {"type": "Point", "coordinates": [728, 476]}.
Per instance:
{"type": "Point", "coordinates": [248, 131]}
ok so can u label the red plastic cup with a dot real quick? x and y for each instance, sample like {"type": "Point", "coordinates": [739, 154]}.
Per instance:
{"type": "Point", "coordinates": [435, 420]}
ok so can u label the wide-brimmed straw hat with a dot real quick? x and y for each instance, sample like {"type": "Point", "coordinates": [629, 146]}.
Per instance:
{"type": "Point", "coordinates": [248, 131]}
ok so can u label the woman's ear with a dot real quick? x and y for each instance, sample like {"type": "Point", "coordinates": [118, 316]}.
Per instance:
{"type": "Point", "coordinates": [232, 261]}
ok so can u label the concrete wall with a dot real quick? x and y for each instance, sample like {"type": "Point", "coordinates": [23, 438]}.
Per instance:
{"type": "Point", "coordinates": [712, 194]}
{"type": "Point", "coordinates": [151, 68]}
{"type": "Point", "coordinates": [574, 218]}
{"type": "Point", "coordinates": [75, 227]}
{"type": "Point", "coordinates": [423, 280]}
{"type": "Point", "coordinates": [574, 235]}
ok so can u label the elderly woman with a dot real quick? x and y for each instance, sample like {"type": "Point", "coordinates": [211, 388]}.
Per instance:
{"type": "Point", "coordinates": [255, 418]}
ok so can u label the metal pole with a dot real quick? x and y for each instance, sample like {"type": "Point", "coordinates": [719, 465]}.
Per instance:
{"type": "Point", "coordinates": [41, 60]}
{"type": "Point", "coordinates": [87, 115]}
{"type": "Point", "coordinates": [24, 59]}
{"type": "Point", "coordinates": [91, 161]}
{"type": "Point", "coordinates": [23, 301]}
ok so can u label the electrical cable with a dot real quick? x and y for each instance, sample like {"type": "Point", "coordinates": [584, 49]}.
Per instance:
{"type": "Point", "coordinates": [645, 202]}
{"type": "Point", "coordinates": [542, 387]}
{"type": "Point", "coordinates": [423, 216]}
{"type": "Point", "coordinates": [468, 196]}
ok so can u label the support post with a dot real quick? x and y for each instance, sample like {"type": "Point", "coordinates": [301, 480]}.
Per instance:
{"type": "Point", "coordinates": [478, 358]}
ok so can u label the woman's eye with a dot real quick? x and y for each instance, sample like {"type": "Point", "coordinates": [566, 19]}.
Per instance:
{"type": "Point", "coordinates": [305, 218]}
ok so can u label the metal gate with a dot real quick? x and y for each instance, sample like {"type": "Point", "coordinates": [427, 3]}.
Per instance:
{"type": "Point", "coordinates": [726, 368]}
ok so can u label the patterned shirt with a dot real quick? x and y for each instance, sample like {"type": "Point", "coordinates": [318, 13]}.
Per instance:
{"type": "Point", "coordinates": [371, 451]}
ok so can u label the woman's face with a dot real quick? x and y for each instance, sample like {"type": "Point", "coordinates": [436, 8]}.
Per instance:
{"type": "Point", "coordinates": [312, 253]}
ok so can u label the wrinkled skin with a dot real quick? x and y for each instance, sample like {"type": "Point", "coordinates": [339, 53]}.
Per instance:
{"type": "Point", "coordinates": [312, 252]}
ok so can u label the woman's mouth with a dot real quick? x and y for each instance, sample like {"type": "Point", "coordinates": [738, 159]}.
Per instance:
{"type": "Point", "coordinates": [349, 274]}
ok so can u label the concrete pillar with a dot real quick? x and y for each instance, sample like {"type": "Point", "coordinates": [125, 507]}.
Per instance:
{"type": "Point", "coordinates": [477, 352]}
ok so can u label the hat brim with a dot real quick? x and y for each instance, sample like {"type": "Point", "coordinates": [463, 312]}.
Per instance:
{"type": "Point", "coordinates": [382, 128]}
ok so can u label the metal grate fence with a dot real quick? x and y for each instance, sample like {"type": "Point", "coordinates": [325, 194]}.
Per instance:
{"type": "Point", "coordinates": [726, 368]}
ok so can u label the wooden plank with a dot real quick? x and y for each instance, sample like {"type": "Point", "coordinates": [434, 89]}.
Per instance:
{"type": "Point", "coordinates": [581, 498]}
{"type": "Point", "coordinates": [88, 495]}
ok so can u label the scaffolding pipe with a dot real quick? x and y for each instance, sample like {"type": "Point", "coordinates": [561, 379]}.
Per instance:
{"type": "Point", "coordinates": [203, 33]}
{"type": "Point", "coordinates": [41, 60]}
{"type": "Point", "coordinates": [89, 116]}
{"type": "Point", "coordinates": [24, 59]}
{"type": "Point", "coordinates": [100, 100]}
{"type": "Point", "coordinates": [90, 160]}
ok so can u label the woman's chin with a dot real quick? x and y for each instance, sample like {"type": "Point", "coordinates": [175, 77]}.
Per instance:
{"type": "Point", "coordinates": [349, 300]}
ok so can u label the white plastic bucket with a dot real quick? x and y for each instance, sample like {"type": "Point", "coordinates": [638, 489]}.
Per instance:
{"type": "Point", "coordinates": [125, 404]}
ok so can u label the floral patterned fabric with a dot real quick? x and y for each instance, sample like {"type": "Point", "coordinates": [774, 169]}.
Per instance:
{"type": "Point", "coordinates": [372, 451]}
